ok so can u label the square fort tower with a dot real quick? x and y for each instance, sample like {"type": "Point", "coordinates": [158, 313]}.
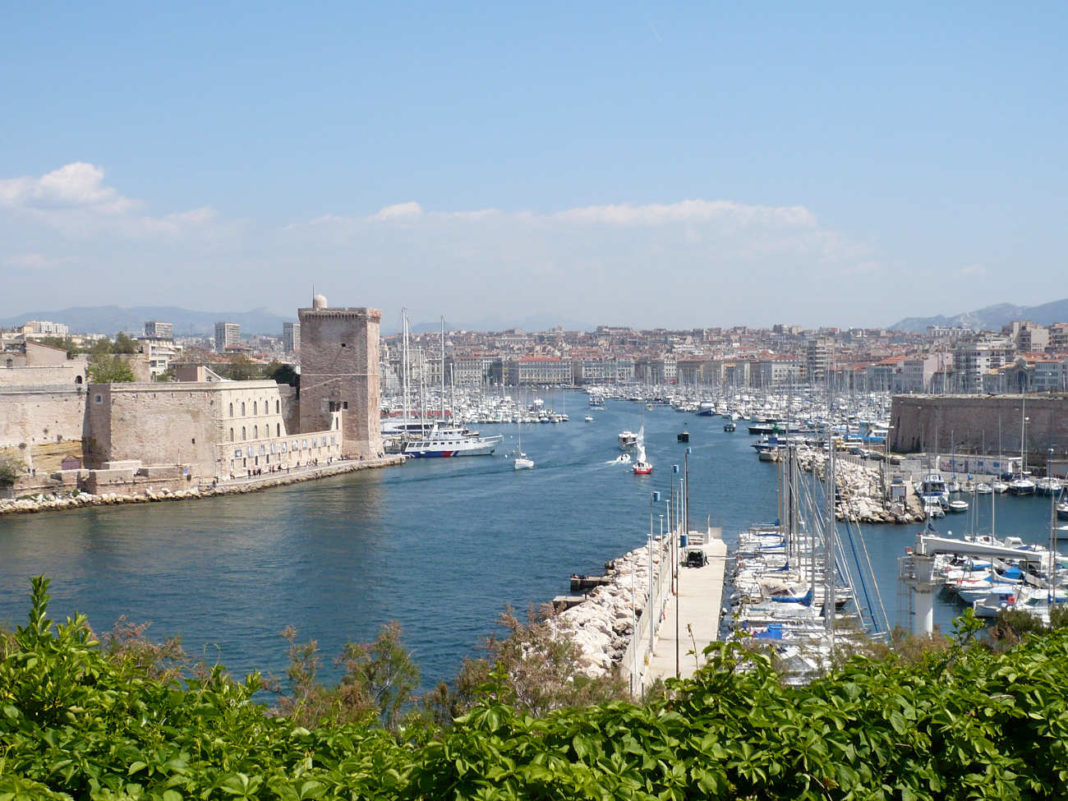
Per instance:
{"type": "Point", "coordinates": [339, 371]}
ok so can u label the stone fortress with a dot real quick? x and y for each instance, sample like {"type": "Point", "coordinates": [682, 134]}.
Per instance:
{"type": "Point", "coordinates": [200, 428]}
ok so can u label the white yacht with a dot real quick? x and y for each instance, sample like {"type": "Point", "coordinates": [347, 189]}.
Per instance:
{"type": "Point", "coordinates": [442, 440]}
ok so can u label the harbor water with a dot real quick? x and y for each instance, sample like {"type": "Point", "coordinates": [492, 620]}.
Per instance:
{"type": "Point", "coordinates": [442, 546]}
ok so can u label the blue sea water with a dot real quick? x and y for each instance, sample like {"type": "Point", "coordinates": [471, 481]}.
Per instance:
{"type": "Point", "coordinates": [440, 546]}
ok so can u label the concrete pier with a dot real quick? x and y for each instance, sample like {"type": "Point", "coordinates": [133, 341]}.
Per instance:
{"type": "Point", "coordinates": [683, 634]}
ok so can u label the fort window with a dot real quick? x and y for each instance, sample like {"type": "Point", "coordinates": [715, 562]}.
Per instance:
{"type": "Point", "coordinates": [255, 432]}
{"type": "Point", "coordinates": [242, 433]}
{"type": "Point", "coordinates": [254, 408]}
{"type": "Point", "coordinates": [10, 363]}
{"type": "Point", "coordinates": [231, 410]}
{"type": "Point", "coordinates": [277, 407]}
{"type": "Point", "coordinates": [98, 399]}
{"type": "Point", "coordinates": [278, 429]}
{"type": "Point", "coordinates": [77, 378]}
{"type": "Point", "coordinates": [242, 408]}
{"type": "Point", "coordinates": [231, 435]}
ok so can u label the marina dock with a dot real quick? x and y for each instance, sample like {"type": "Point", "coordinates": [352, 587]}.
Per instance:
{"type": "Point", "coordinates": [692, 623]}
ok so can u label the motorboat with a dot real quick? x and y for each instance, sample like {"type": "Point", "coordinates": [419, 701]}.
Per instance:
{"type": "Point", "coordinates": [982, 488]}
{"type": "Point", "coordinates": [932, 489]}
{"type": "Point", "coordinates": [623, 458]}
{"type": "Point", "coordinates": [588, 418]}
{"type": "Point", "coordinates": [683, 436]}
{"type": "Point", "coordinates": [957, 506]}
{"type": "Point", "coordinates": [627, 439]}
{"type": "Point", "coordinates": [730, 426]}
{"type": "Point", "coordinates": [1062, 510]}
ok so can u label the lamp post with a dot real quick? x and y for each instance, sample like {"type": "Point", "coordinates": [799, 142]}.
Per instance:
{"type": "Point", "coordinates": [654, 497]}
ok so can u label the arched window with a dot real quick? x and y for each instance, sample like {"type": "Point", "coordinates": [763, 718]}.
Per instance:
{"type": "Point", "coordinates": [255, 432]}
{"type": "Point", "coordinates": [278, 407]}
{"type": "Point", "coordinates": [10, 363]}
{"type": "Point", "coordinates": [231, 410]}
{"type": "Point", "coordinates": [278, 429]}
{"type": "Point", "coordinates": [231, 435]}
{"type": "Point", "coordinates": [242, 408]}
{"type": "Point", "coordinates": [242, 433]}
{"type": "Point", "coordinates": [78, 380]}
{"type": "Point", "coordinates": [255, 408]}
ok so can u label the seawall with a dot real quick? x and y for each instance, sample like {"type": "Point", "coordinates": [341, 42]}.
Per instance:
{"type": "Point", "coordinates": [73, 499]}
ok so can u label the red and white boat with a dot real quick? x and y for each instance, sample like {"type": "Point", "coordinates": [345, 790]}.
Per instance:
{"type": "Point", "coordinates": [641, 467]}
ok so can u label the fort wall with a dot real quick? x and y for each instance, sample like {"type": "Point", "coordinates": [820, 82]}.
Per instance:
{"type": "Point", "coordinates": [988, 424]}
{"type": "Point", "coordinates": [34, 415]}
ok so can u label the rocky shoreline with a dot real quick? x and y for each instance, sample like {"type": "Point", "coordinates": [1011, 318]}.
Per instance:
{"type": "Point", "coordinates": [603, 624]}
{"type": "Point", "coordinates": [861, 498]}
{"type": "Point", "coordinates": [75, 499]}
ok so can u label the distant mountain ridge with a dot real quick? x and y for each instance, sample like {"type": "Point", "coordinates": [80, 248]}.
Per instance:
{"type": "Point", "coordinates": [112, 319]}
{"type": "Point", "coordinates": [991, 318]}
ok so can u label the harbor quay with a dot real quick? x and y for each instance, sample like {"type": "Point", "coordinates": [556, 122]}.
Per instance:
{"type": "Point", "coordinates": [653, 613]}
{"type": "Point", "coordinates": [51, 500]}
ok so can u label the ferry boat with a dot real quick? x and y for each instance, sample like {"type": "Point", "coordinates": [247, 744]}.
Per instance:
{"type": "Point", "coordinates": [446, 440]}
{"type": "Point", "coordinates": [627, 439]}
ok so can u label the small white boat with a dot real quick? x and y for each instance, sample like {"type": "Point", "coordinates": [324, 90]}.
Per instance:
{"type": "Point", "coordinates": [958, 506]}
{"type": "Point", "coordinates": [982, 488]}
{"type": "Point", "coordinates": [623, 458]}
{"type": "Point", "coordinates": [522, 462]}
{"type": "Point", "coordinates": [627, 439]}
{"type": "Point", "coordinates": [589, 418]}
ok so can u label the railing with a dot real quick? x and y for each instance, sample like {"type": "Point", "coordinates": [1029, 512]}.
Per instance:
{"type": "Point", "coordinates": [638, 652]}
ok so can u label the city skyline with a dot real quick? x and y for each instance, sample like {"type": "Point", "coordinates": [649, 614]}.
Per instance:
{"type": "Point", "coordinates": [615, 164]}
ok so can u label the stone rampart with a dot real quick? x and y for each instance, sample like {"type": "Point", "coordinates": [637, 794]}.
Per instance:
{"type": "Point", "coordinates": [981, 424]}
{"type": "Point", "coordinates": [40, 414]}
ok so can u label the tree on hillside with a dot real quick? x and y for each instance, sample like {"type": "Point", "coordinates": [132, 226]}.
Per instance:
{"type": "Point", "coordinates": [109, 370]}
{"type": "Point", "coordinates": [123, 344]}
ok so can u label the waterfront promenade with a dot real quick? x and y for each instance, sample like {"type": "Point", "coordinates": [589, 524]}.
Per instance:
{"type": "Point", "coordinates": [696, 622]}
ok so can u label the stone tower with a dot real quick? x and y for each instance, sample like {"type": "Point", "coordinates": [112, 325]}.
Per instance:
{"type": "Point", "coordinates": [339, 370]}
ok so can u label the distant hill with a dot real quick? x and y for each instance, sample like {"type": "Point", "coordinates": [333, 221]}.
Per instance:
{"type": "Point", "coordinates": [991, 318]}
{"type": "Point", "coordinates": [112, 319]}
{"type": "Point", "coordinates": [528, 324]}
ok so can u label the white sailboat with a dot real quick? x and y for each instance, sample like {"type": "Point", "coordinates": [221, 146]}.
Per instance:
{"type": "Point", "coordinates": [521, 460]}
{"type": "Point", "coordinates": [641, 467]}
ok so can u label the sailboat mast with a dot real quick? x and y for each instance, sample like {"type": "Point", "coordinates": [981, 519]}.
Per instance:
{"type": "Point", "coordinates": [830, 536]}
{"type": "Point", "coordinates": [443, 370]}
{"type": "Point", "coordinates": [404, 365]}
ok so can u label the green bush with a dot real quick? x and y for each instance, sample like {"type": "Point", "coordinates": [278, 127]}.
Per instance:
{"type": "Point", "coordinates": [963, 722]}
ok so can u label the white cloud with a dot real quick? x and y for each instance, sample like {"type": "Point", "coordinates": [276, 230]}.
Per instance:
{"type": "Point", "coordinates": [75, 200]}
{"type": "Point", "coordinates": [399, 211]}
{"type": "Point", "coordinates": [689, 211]}
{"type": "Point", "coordinates": [34, 261]}
{"type": "Point", "coordinates": [972, 271]}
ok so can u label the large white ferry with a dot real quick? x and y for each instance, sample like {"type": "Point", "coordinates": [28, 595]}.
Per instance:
{"type": "Point", "coordinates": [449, 440]}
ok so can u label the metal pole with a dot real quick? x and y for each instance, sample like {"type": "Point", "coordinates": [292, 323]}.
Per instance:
{"type": "Point", "coordinates": [687, 463]}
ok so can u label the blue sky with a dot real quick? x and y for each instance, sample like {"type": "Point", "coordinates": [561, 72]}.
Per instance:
{"type": "Point", "coordinates": [633, 163]}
